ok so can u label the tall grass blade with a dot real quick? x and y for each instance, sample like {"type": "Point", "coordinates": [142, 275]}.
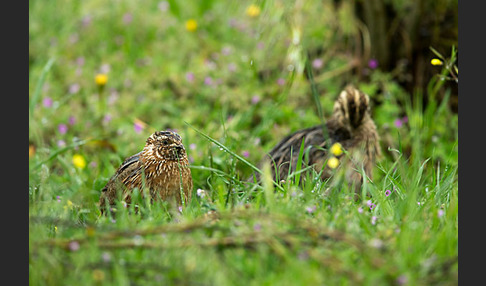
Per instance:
{"type": "Point", "coordinates": [57, 152]}
{"type": "Point", "coordinates": [35, 98]}
{"type": "Point", "coordinates": [315, 96]}
{"type": "Point", "coordinates": [299, 162]}
{"type": "Point", "coordinates": [227, 150]}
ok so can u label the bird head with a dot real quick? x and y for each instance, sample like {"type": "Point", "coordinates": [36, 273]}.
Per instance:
{"type": "Point", "coordinates": [352, 107]}
{"type": "Point", "coordinates": [166, 145]}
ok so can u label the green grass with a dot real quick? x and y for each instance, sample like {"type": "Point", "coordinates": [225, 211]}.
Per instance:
{"type": "Point", "coordinates": [239, 233]}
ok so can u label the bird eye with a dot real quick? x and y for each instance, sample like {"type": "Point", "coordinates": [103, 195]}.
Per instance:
{"type": "Point", "coordinates": [165, 142]}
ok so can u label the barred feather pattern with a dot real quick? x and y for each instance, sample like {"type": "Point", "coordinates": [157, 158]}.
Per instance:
{"type": "Point", "coordinates": [161, 167]}
{"type": "Point", "coordinates": [350, 124]}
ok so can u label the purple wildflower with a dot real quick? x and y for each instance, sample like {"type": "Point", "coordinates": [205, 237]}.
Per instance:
{"type": "Point", "coordinates": [360, 210]}
{"type": "Point", "coordinates": [208, 80]}
{"type": "Point", "coordinates": [402, 280]}
{"type": "Point", "coordinates": [372, 206]}
{"type": "Point", "coordinates": [398, 123]}
{"type": "Point", "coordinates": [231, 67]}
{"type": "Point", "coordinates": [61, 143]}
{"type": "Point", "coordinates": [127, 18]}
{"type": "Point", "coordinates": [86, 21]}
{"type": "Point", "coordinates": [72, 120]}
{"type": "Point", "coordinates": [317, 63]}
{"type": "Point", "coordinates": [246, 154]}
{"type": "Point", "coordinates": [310, 209]}
{"type": "Point", "coordinates": [373, 220]}
{"type": "Point", "coordinates": [257, 227]}
{"type": "Point", "coordinates": [192, 146]}
{"type": "Point", "coordinates": [62, 128]}
{"type": "Point", "coordinates": [190, 77]}
{"type": "Point", "coordinates": [105, 68]}
{"type": "Point", "coordinates": [440, 213]}
{"type": "Point", "coordinates": [106, 118]}
{"type": "Point", "coordinates": [280, 81]}
{"type": "Point", "coordinates": [47, 102]}
{"type": "Point", "coordinates": [73, 245]}
{"type": "Point", "coordinates": [200, 193]}
{"type": "Point", "coordinates": [80, 61]}
{"type": "Point", "coordinates": [255, 99]}
{"type": "Point", "coordinates": [373, 64]}
{"type": "Point", "coordinates": [138, 127]}
{"type": "Point", "coordinates": [387, 193]}
{"type": "Point", "coordinates": [106, 257]}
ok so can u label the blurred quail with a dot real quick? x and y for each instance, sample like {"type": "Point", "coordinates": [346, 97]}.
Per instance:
{"type": "Point", "coordinates": [162, 166]}
{"type": "Point", "coordinates": [350, 125]}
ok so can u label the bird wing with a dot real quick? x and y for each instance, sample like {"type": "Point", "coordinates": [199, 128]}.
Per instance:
{"type": "Point", "coordinates": [281, 154]}
{"type": "Point", "coordinates": [313, 137]}
{"type": "Point", "coordinates": [127, 175]}
{"type": "Point", "coordinates": [130, 171]}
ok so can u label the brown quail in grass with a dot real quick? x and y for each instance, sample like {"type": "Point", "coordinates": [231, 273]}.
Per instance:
{"type": "Point", "coordinates": [161, 167]}
{"type": "Point", "coordinates": [350, 125]}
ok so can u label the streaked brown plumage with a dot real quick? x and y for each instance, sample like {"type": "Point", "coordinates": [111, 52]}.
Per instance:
{"type": "Point", "coordinates": [162, 166]}
{"type": "Point", "coordinates": [350, 124]}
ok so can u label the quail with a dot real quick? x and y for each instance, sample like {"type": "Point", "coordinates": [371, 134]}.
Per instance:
{"type": "Point", "coordinates": [161, 167]}
{"type": "Point", "coordinates": [350, 125]}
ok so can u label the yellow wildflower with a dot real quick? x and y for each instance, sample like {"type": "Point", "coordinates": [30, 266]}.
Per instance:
{"type": "Point", "coordinates": [31, 150]}
{"type": "Point", "coordinates": [90, 231]}
{"type": "Point", "coordinates": [55, 229]}
{"type": "Point", "coordinates": [69, 205]}
{"type": "Point", "coordinates": [79, 161]}
{"type": "Point", "coordinates": [101, 79]}
{"type": "Point", "coordinates": [436, 62]}
{"type": "Point", "coordinates": [336, 149]}
{"type": "Point", "coordinates": [191, 25]}
{"type": "Point", "coordinates": [98, 275]}
{"type": "Point", "coordinates": [253, 10]}
{"type": "Point", "coordinates": [333, 162]}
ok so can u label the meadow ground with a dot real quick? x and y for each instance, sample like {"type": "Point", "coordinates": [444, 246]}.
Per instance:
{"type": "Point", "coordinates": [232, 79]}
